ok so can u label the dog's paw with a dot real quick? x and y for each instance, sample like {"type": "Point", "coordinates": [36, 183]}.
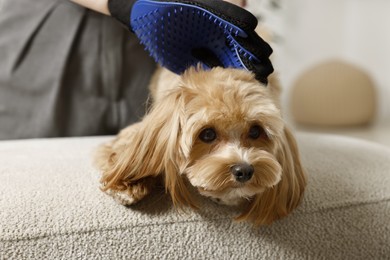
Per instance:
{"type": "Point", "coordinates": [122, 197]}
{"type": "Point", "coordinates": [133, 193]}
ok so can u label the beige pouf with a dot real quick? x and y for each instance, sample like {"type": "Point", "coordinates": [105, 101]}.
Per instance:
{"type": "Point", "coordinates": [333, 93]}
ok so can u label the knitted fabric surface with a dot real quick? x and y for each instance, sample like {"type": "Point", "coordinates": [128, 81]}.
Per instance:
{"type": "Point", "coordinates": [51, 207]}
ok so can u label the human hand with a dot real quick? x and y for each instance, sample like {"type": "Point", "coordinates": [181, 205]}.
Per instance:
{"type": "Point", "coordinates": [183, 33]}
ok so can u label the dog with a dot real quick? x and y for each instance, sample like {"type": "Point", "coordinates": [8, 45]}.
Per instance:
{"type": "Point", "coordinates": [220, 131]}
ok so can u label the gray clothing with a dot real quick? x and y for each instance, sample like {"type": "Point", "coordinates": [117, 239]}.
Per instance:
{"type": "Point", "coordinates": [67, 71]}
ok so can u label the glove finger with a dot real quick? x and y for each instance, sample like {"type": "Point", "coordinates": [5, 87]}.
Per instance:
{"type": "Point", "coordinates": [225, 10]}
{"type": "Point", "coordinates": [261, 68]}
{"type": "Point", "coordinates": [255, 45]}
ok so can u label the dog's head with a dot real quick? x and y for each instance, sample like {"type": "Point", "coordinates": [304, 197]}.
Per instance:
{"type": "Point", "coordinates": [222, 130]}
{"type": "Point", "coordinates": [229, 135]}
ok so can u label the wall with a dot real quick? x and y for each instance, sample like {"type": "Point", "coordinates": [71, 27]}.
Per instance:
{"type": "Point", "coordinates": [310, 31]}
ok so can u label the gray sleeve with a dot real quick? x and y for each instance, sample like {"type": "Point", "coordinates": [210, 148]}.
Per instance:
{"type": "Point", "coordinates": [67, 71]}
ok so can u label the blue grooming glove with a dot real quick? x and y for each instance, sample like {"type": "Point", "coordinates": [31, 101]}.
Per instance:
{"type": "Point", "coordinates": [182, 33]}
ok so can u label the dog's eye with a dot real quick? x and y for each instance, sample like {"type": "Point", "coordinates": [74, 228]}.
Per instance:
{"type": "Point", "coordinates": [255, 132]}
{"type": "Point", "coordinates": [208, 135]}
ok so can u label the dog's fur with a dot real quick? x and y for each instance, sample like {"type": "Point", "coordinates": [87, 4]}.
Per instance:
{"type": "Point", "coordinates": [167, 144]}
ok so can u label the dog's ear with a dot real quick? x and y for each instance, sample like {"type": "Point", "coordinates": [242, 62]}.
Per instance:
{"type": "Point", "coordinates": [278, 201]}
{"type": "Point", "coordinates": [149, 149]}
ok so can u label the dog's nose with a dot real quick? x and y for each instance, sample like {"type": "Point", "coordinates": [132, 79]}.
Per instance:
{"type": "Point", "coordinates": [242, 172]}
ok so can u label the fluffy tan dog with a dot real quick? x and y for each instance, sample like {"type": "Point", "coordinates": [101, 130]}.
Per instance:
{"type": "Point", "coordinates": [219, 130]}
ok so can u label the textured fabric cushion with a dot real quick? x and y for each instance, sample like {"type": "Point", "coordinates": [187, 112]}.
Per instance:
{"type": "Point", "coordinates": [51, 207]}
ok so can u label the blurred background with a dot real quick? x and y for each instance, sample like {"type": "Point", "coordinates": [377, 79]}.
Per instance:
{"type": "Point", "coordinates": [333, 60]}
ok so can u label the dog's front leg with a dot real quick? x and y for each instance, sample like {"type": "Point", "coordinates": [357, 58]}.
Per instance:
{"type": "Point", "coordinates": [124, 176]}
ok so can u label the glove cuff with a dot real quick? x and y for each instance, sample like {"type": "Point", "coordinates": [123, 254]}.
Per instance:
{"type": "Point", "coordinates": [120, 10]}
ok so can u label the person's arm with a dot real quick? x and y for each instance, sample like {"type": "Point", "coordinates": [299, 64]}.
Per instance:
{"type": "Point", "coordinates": [100, 6]}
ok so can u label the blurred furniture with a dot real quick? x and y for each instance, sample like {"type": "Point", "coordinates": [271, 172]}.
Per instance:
{"type": "Point", "coordinates": [333, 94]}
